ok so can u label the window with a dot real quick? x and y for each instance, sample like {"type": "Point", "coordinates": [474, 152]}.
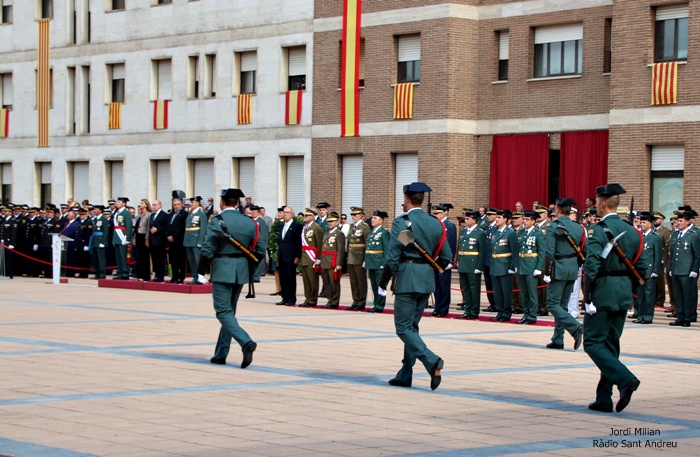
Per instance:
{"type": "Point", "coordinates": [85, 99]}
{"type": "Point", "coordinates": [116, 5]}
{"type": "Point", "coordinates": [667, 165]}
{"type": "Point", "coordinates": [351, 191]}
{"type": "Point", "coordinates": [71, 101]}
{"type": "Point", "coordinates": [296, 64]}
{"type": "Point", "coordinates": [6, 179]}
{"type": "Point", "coordinates": [161, 79]}
{"type": "Point", "coordinates": [79, 179]}
{"type": "Point", "coordinates": [161, 2]}
{"type": "Point", "coordinates": [116, 75]}
{"type": "Point", "coordinates": [6, 90]}
{"type": "Point", "coordinates": [294, 182]}
{"type": "Point", "coordinates": [249, 66]}
{"type": "Point", "coordinates": [193, 77]}
{"type": "Point", "coordinates": [114, 172]}
{"type": "Point", "coordinates": [210, 76]}
{"type": "Point", "coordinates": [503, 48]}
{"type": "Point", "coordinates": [43, 8]}
{"type": "Point", "coordinates": [409, 59]}
{"type": "Point", "coordinates": [558, 50]}
{"type": "Point", "coordinates": [6, 12]}
{"type": "Point", "coordinates": [671, 37]}
{"type": "Point", "coordinates": [244, 169]}
{"type": "Point", "coordinates": [36, 87]}
{"type": "Point", "coordinates": [161, 189]}
{"type": "Point", "coordinates": [43, 170]}
{"type": "Point", "coordinates": [406, 172]}
{"type": "Point", "coordinates": [202, 177]}
{"type": "Point", "coordinates": [607, 46]}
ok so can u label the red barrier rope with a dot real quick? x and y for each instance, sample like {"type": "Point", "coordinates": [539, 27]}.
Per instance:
{"type": "Point", "coordinates": [62, 266]}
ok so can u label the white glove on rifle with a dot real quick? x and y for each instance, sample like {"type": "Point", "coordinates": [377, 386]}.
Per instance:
{"type": "Point", "coordinates": [590, 308]}
{"type": "Point", "coordinates": [10, 247]}
{"type": "Point", "coordinates": [546, 279]}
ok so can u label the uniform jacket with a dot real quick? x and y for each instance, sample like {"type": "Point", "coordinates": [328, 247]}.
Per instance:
{"type": "Point", "coordinates": [685, 253]}
{"type": "Point", "coordinates": [83, 234]}
{"type": "Point", "coordinates": [560, 253]}
{"type": "Point", "coordinates": [121, 219]}
{"type": "Point", "coordinates": [488, 230]}
{"type": "Point", "coordinates": [472, 250]}
{"type": "Point", "coordinates": [653, 248]}
{"type": "Point", "coordinates": [504, 248]}
{"type": "Point", "coordinates": [176, 226]}
{"type": "Point", "coordinates": [313, 234]}
{"type": "Point", "coordinates": [33, 232]}
{"type": "Point", "coordinates": [333, 249]}
{"type": "Point", "coordinates": [195, 229]}
{"type": "Point", "coordinates": [377, 247]}
{"type": "Point", "coordinates": [357, 242]}
{"type": "Point", "coordinates": [48, 228]}
{"type": "Point", "coordinates": [665, 234]}
{"type": "Point", "coordinates": [290, 245]}
{"type": "Point", "coordinates": [322, 222]}
{"type": "Point", "coordinates": [531, 248]}
{"type": "Point", "coordinates": [451, 235]}
{"type": "Point", "coordinates": [9, 231]}
{"type": "Point", "coordinates": [100, 234]}
{"type": "Point", "coordinates": [264, 233]}
{"type": "Point", "coordinates": [160, 222]}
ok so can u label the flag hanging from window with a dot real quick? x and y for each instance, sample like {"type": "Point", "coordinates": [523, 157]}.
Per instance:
{"type": "Point", "coordinates": [350, 78]}
{"type": "Point", "coordinates": [292, 114]}
{"type": "Point", "coordinates": [4, 123]}
{"type": "Point", "coordinates": [245, 109]}
{"type": "Point", "coordinates": [115, 115]}
{"type": "Point", "coordinates": [43, 84]}
{"type": "Point", "coordinates": [403, 101]}
{"type": "Point", "coordinates": [664, 82]}
{"type": "Point", "coordinates": [160, 114]}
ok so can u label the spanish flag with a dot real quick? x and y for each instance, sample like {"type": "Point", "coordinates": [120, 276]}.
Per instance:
{"type": "Point", "coordinates": [4, 123]}
{"type": "Point", "coordinates": [245, 109]}
{"type": "Point", "coordinates": [160, 114]}
{"type": "Point", "coordinates": [664, 82]}
{"type": "Point", "coordinates": [350, 78]}
{"type": "Point", "coordinates": [292, 114]}
{"type": "Point", "coordinates": [403, 101]}
{"type": "Point", "coordinates": [43, 86]}
{"type": "Point", "coordinates": [115, 115]}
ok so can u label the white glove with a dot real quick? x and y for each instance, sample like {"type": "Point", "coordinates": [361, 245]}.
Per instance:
{"type": "Point", "coordinates": [590, 308]}
{"type": "Point", "coordinates": [199, 245]}
{"type": "Point", "coordinates": [449, 266]}
{"type": "Point", "coordinates": [381, 267]}
{"type": "Point", "coordinates": [35, 247]}
{"type": "Point", "coordinates": [201, 279]}
{"type": "Point", "coordinates": [654, 275]}
{"type": "Point", "coordinates": [670, 273]}
{"type": "Point", "coordinates": [125, 243]}
{"type": "Point", "coordinates": [10, 247]}
{"type": "Point", "coordinates": [477, 272]}
{"type": "Point", "coordinates": [318, 261]}
{"type": "Point", "coordinates": [339, 267]}
{"type": "Point", "coordinates": [536, 273]}
{"type": "Point", "coordinates": [511, 272]}
{"type": "Point", "coordinates": [86, 249]}
{"type": "Point", "coordinates": [363, 265]}
{"type": "Point", "coordinates": [101, 245]}
{"type": "Point", "coordinates": [546, 279]}
{"type": "Point", "coordinates": [381, 291]}
{"type": "Point", "coordinates": [693, 274]}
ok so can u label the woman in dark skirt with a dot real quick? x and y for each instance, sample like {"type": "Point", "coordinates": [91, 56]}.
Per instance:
{"type": "Point", "coordinates": [142, 254]}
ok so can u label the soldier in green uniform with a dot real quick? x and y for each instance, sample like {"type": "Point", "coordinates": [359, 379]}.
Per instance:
{"type": "Point", "coordinates": [529, 264]}
{"type": "Point", "coordinates": [665, 234]}
{"type": "Point", "coordinates": [99, 242]}
{"type": "Point", "coordinates": [264, 235]}
{"type": "Point", "coordinates": [332, 256]}
{"type": "Point", "coordinates": [607, 295]}
{"type": "Point", "coordinates": [82, 242]}
{"type": "Point", "coordinates": [692, 214]}
{"type": "Point", "coordinates": [504, 248]}
{"type": "Point", "coordinates": [469, 259]}
{"type": "Point", "coordinates": [357, 242]}
{"type": "Point", "coordinates": [516, 223]}
{"type": "Point", "coordinates": [653, 248]}
{"type": "Point", "coordinates": [121, 221]}
{"type": "Point", "coordinates": [683, 266]}
{"type": "Point", "coordinates": [229, 271]}
{"type": "Point", "coordinates": [195, 234]}
{"type": "Point", "coordinates": [415, 281]}
{"type": "Point", "coordinates": [560, 272]}
{"type": "Point", "coordinates": [375, 254]}
{"type": "Point", "coordinates": [311, 245]}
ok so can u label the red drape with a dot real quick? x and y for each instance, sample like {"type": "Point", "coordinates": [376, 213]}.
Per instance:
{"type": "Point", "coordinates": [519, 170]}
{"type": "Point", "coordinates": [583, 165]}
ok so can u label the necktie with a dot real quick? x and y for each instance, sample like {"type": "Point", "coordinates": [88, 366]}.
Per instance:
{"type": "Point", "coordinates": [174, 216]}
{"type": "Point", "coordinates": [284, 230]}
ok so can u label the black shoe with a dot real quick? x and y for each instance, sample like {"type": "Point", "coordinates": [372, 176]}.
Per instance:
{"type": "Point", "coordinates": [638, 321]}
{"type": "Point", "coordinates": [495, 319]}
{"type": "Point", "coordinates": [397, 383]}
{"type": "Point", "coordinates": [279, 303]}
{"type": "Point", "coordinates": [673, 314]}
{"type": "Point", "coordinates": [290, 304]}
{"type": "Point", "coordinates": [329, 306]}
{"type": "Point", "coordinates": [686, 324]}
{"type": "Point", "coordinates": [555, 346]}
{"type": "Point", "coordinates": [250, 296]}
{"type": "Point", "coordinates": [543, 313]}
{"type": "Point", "coordinates": [322, 295]}
{"type": "Point", "coordinates": [677, 323]}
{"type": "Point", "coordinates": [248, 350]}
{"type": "Point", "coordinates": [490, 309]}
{"type": "Point", "coordinates": [218, 361]}
{"type": "Point", "coordinates": [307, 305]}
{"type": "Point", "coordinates": [172, 281]}
{"type": "Point", "coordinates": [595, 406]}
{"type": "Point", "coordinates": [276, 293]}
{"type": "Point", "coordinates": [645, 322]}
{"type": "Point", "coordinates": [578, 338]}
{"type": "Point", "coordinates": [633, 316]}
{"type": "Point", "coordinates": [435, 374]}
{"type": "Point", "coordinates": [352, 308]}
{"type": "Point", "coordinates": [465, 316]}
{"type": "Point", "coordinates": [460, 307]}
{"type": "Point", "coordinates": [626, 394]}
{"type": "Point", "coordinates": [375, 310]}
{"type": "Point", "coordinates": [430, 306]}
{"type": "Point", "coordinates": [360, 308]}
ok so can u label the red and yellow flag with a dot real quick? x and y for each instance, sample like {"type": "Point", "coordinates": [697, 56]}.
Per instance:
{"type": "Point", "coordinates": [403, 101]}
{"type": "Point", "coordinates": [115, 115]}
{"type": "Point", "coordinates": [350, 78]}
{"type": "Point", "coordinates": [245, 109]}
{"type": "Point", "coordinates": [292, 113]}
{"type": "Point", "coordinates": [664, 82]}
{"type": "Point", "coordinates": [160, 114]}
{"type": "Point", "coordinates": [4, 123]}
{"type": "Point", "coordinates": [43, 84]}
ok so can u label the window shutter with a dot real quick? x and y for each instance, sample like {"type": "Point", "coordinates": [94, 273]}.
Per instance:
{"type": "Point", "coordinates": [6, 173]}
{"type": "Point", "coordinates": [297, 61]}
{"type": "Point", "coordinates": [559, 33]}
{"type": "Point", "coordinates": [352, 183]}
{"type": "Point", "coordinates": [246, 175]}
{"type": "Point", "coordinates": [249, 61]}
{"type": "Point", "coordinates": [671, 12]}
{"type": "Point", "coordinates": [46, 173]}
{"type": "Point", "coordinates": [6, 90]}
{"type": "Point", "coordinates": [165, 89]}
{"type": "Point", "coordinates": [409, 48]}
{"type": "Point", "coordinates": [6, 2]}
{"type": "Point", "coordinates": [295, 183]}
{"type": "Point", "coordinates": [204, 178]}
{"type": "Point", "coordinates": [163, 183]}
{"type": "Point", "coordinates": [406, 173]}
{"type": "Point", "coordinates": [213, 73]}
{"type": "Point", "coordinates": [117, 184]}
{"type": "Point", "coordinates": [81, 181]}
{"type": "Point", "coordinates": [503, 45]}
{"type": "Point", "coordinates": [118, 71]}
{"type": "Point", "coordinates": [667, 158]}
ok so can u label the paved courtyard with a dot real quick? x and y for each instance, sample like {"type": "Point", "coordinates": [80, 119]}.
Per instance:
{"type": "Point", "coordinates": [86, 371]}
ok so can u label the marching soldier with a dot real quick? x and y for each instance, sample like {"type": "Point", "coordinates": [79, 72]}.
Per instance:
{"type": "Point", "coordinates": [377, 246]}
{"type": "Point", "coordinates": [470, 264]}
{"type": "Point", "coordinates": [83, 234]}
{"type": "Point", "coordinates": [332, 255]}
{"type": "Point", "coordinates": [99, 242]}
{"type": "Point", "coordinates": [684, 266]}
{"type": "Point", "coordinates": [311, 245]}
{"type": "Point", "coordinates": [530, 263]}
{"type": "Point", "coordinates": [653, 248]}
{"type": "Point", "coordinates": [504, 248]}
{"type": "Point", "coordinates": [357, 242]}
{"type": "Point", "coordinates": [121, 222]}
{"type": "Point", "coordinates": [195, 234]}
{"type": "Point", "coordinates": [665, 234]}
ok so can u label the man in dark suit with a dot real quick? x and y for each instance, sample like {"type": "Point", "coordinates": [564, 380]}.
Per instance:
{"type": "Point", "coordinates": [443, 280]}
{"type": "Point", "coordinates": [157, 241]}
{"type": "Point", "coordinates": [176, 239]}
{"type": "Point", "coordinates": [289, 255]}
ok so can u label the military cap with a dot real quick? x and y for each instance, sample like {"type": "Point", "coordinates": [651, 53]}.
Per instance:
{"type": "Point", "coordinates": [587, 212]}
{"type": "Point", "coordinates": [123, 199]}
{"type": "Point", "coordinates": [492, 211]}
{"type": "Point", "coordinates": [467, 210]}
{"type": "Point", "coordinates": [574, 210]}
{"type": "Point", "coordinates": [255, 208]}
{"type": "Point", "coordinates": [416, 188]}
{"type": "Point", "coordinates": [437, 209]}
{"type": "Point", "coordinates": [517, 215]}
{"type": "Point", "coordinates": [52, 206]}
{"type": "Point", "coordinates": [107, 211]}
{"type": "Point", "coordinates": [333, 216]}
{"type": "Point", "coordinates": [83, 211]}
{"type": "Point", "coordinates": [593, 211]}
{"type": "Point", "coordinates": [447, 206]}
{"type": "Point", "coordinates": [622, 210]}
{"type": "Point", "coordinates": [566, 201]}
{"type": "Point", "coordinates": [658, 215]}
{"type": "Point", "coordinates": [33, 209]}
{"type": "Point", "coordinates": [609, 190]}
{"type": "Point", "coordinates": [541, 209]}
{"type": "Point", "coordinates": [323, 205]}
{"type": "Point", "coordinates": [473, 214]}
{"type": "Point", "coordinates": [111, 201]}
{"type": "Point", "coordinates": [196, 199]}
{"type": "Point", "coordinates": [685, 208]}
{"type": "Point", "coordinates": [308, 212]}
{"type": "Point", "coordinates": [49, 209]}
{"type": "Point", "coordinates": [531, 214]}
{"type": "Point", "coordinates": [382, 214]}
{"type": "Point", "coordinates": [232, 193]}
{"type": "Point", "coordinates": [505, 213]}
{"type": "Point", "coordinates": [9, 206]}
{"type": "Point", "coordinates": [100, 207]}
{"type": "Point", "coordinates": [646, 216]}
{"type": "Point", "coordinates": [2, 208]}
{"type": "Point", "coordinates": [179, 194]}
{"type": "Point", "coordinates": [684, 215]}
{"type": "Point", "coordinates": [356, 210]}
{"type": "Point", "coordinates": [63, 205]}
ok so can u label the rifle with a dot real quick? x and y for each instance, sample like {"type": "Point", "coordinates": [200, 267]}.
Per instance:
{"type": "Point", "coordinates": [630, 215]}
{"type": "Point", "coordinates": [253, 259]}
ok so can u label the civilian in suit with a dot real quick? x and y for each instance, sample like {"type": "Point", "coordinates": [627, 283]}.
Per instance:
{"type": "Point", "coordinates": [157, 240]}
{"type": "Point", "coordinates": [176, 239]}
{"type": "Point", "coordinates": [288, 256]}
{"type": "Point", "coordinates": [69, 230]}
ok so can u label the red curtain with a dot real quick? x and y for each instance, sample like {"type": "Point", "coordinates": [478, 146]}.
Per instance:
{"type": "Point", "coordinates": [519, 170]}
{"type": "Point", "coordinates": [584, 164]}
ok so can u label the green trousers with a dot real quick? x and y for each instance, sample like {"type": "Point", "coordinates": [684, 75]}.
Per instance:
{"type": "Point", "coordinates": [122, 265]}
{"type": "Point", "coordinates": [408, 310]}
{"type": "Point", "coordinates": [503, 295]}
{"type": "Point", "coordinates": [528, 295]}
{"type": "Point", "coordinates": [225, 302]}
{"type": "Point", "coordinates": [470, 283]}
{"type": "Point", "coordinates": [558, 295]}
{"type": "Point", "coordinates": [374, 277]}
{"type": "Point", "coordinates": [99, 262]}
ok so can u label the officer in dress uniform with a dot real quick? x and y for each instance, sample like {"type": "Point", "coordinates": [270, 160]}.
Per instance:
{"type": "Point", "coordinates": [488, 230]}
{"type": "Point", "coordinates": [48, 228]}
{"type": "Point", "coordinates": [82, 235]}
{"type": "Point", "coordinates": [195, 233]}
{"type": "Point", "coordinates": [607, 292]}
{"type": "Point", "coordinates": [332, 256]}
{"type": "Point", "coordinates": [99, 242]}
{"type": "Point", "coordinates": [322, 220]}
{"type": "Point", "coordinates": [694, 228]}
{"type": "Point", "coordinates": [665, 234]}
{"type": "Point", "coordinates": [530, 263]}
{"type": "Point", "coordinates": [470, 264]}
{"type": "Point", "coordinates": [230, 270]}
{"type": "Point", "coordinates": [32, 239]}
{"type": "Point", "coordinates": [443, 281]}
{"type": "Point", "coordinates": [517, 225]}
{"type": "Point", "coordinates": [653, 249]}
{"type": "Point", "coordinates": [122, 225]}
{"type": "Point", "coordinates": [357, 242]}
{"type": "Point", "coordinates": [541, 225]}
{"type": "Point", "coordinates": [684, 265]}
{"type": "Point", "coordinates": [21, 263]}
{"type": "Point", "coordinates": [377, 246]}
{"type": "Point", "coordinates": [483, 220]}
{"type": "Point", "coordinates": [8, 236]}
{"type": "Point", "coordinates": [504, 248]}
{"type": "Point", "coordinates": [311, 245]}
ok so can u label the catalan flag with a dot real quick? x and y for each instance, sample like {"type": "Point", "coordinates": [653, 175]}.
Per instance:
{"type": "Point", "coordinates": [4, 123]}
{"type": "Point", "coordinates": [403, 101]}
{"type": "Point", "coordinates": [664, 82]}
{"type": "Point", "coordinates": [160, 114]}
{"type": "Point", "coordinates": [350, 78]}
{"type": "Point", "coordinates": [115, 115]}
{"type": "Point", "coordinates": [292, 114]}
{"type": "Point", "coordinates": [43, 86]}
{"type": "Point", "coordinates": [245, 111]}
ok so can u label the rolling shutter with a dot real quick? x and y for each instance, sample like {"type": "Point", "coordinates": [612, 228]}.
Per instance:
{"type": "Point", "coordinates": [297, 61]}
{"type": "Point", "coordinates": [406, 173]}
{"type": "Point", "coordinates": [503, 45]}
{"type": "Point", "coordinates": [671, 12]}
{"type": "Point", "coordinates": [667, 158]}
{"type": "Point", "coordinates": [204, 178]}
{"type": "Point", "coordinates": [165, 87]}
{"type": "Point", "coordinates": [117, 179]}
{"type": "Point", "coordinates": [295, 183]}
{"type": "Point", "coordinates": [352, 183]}
{"type": "Point", "coordinates": [249, 61]}
{"type": "Point", "coordinates": [409, 48]}
{"type": "Point", "coordinates": [6, 173]}
{"type": "Point", "coordinates": [7, 90]}
{"type": "Point", "coordinates": [246, 176]}
{"type": "Point", "coordinates": [558, 34]}
{"type": "Point", "coordinates": [46, 173]}
{"type": "Point", "coordinates": [81, 181]}
{"type": "Point", "coordinates": [163, 183]}
{"type": "Point", "coordinates": [118, 71]}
